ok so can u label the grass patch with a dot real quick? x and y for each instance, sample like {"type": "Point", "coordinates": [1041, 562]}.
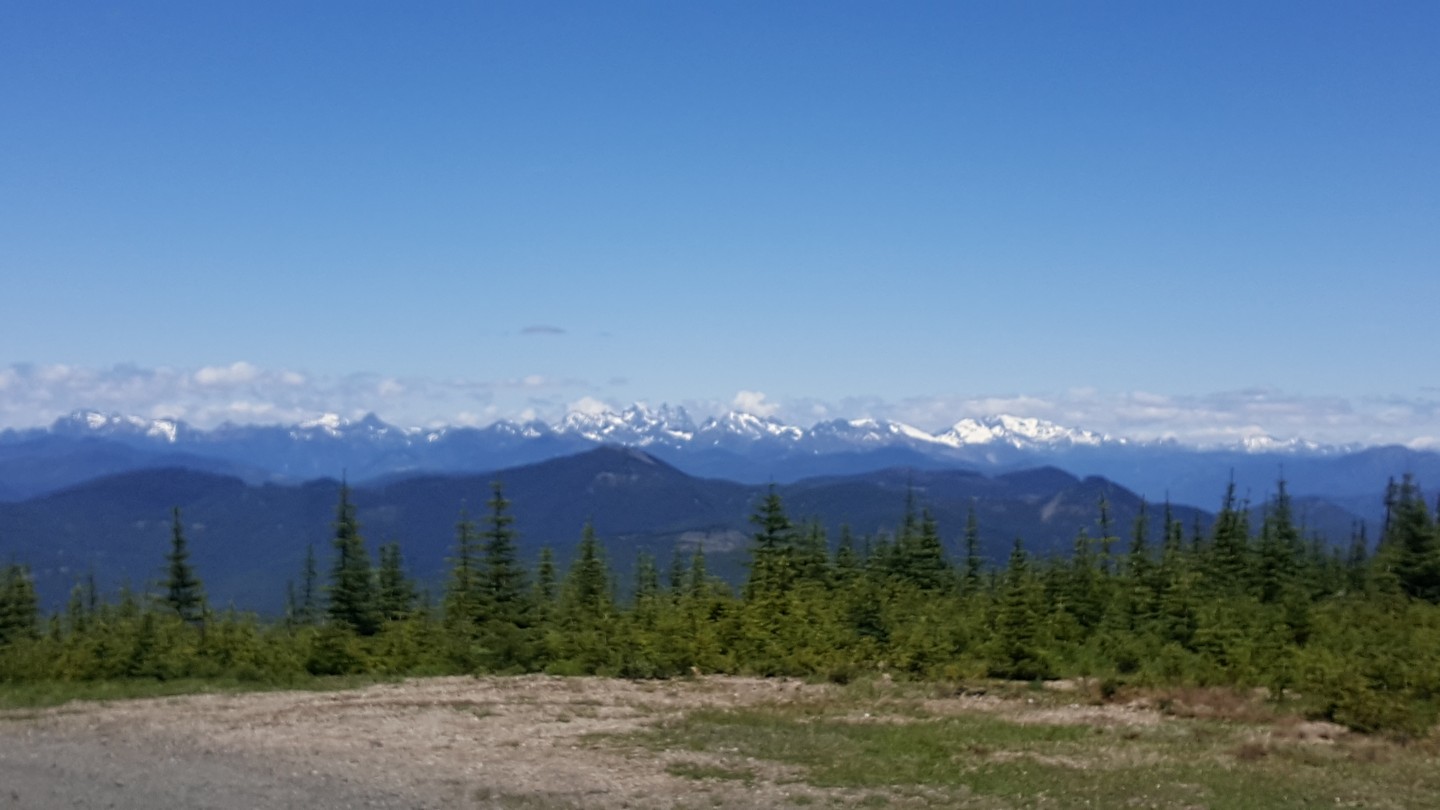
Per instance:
{"type": "Point", "coordinates": [1215, 763]}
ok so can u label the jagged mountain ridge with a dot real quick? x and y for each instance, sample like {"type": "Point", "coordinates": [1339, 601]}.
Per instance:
{"type": "Point", "coordinates": [737, 446]}
{"type": "Point", "coordinates": [638, 425]}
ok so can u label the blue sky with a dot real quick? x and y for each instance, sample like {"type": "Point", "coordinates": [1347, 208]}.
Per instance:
{"type": "Point", "coordinates": [1119, 213]}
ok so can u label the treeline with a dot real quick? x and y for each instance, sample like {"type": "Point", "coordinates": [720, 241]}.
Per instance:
{"type": "Point", "coordinates": [1351, 632]}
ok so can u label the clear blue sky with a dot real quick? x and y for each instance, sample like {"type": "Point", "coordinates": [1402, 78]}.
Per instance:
{"type": "Point", "coordinates": [845, 206]}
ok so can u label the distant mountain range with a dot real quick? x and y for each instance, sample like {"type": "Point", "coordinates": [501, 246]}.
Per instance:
{"type": "Point", "coordinates": [93, 491]}
{"type": "Point", "coordinates": [248, 539]}
{"type": "Point", "coordinates": [736, 446]}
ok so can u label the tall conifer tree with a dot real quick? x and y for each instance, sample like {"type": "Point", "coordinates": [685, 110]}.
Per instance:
{"type": "Point", "coordinates": [353, 598]}
{"type": "Point", "coordinates": [183, 592]}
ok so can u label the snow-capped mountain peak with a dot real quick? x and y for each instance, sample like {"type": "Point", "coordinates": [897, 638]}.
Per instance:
{"type": "Point", "coordinates": [114, 424]}
{"type": "Point", "coordinates": [639, 425]}
{"type": "Point", "coordinates": [668, 426]}
{"type": "Point", "coordinates": [871, 433]}
{"type": "Point", "coordinates": [745, 427]}
{"type": "Point", "coordinates": [1017, 431]}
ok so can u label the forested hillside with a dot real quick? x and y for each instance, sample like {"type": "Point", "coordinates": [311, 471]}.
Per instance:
{"type": "Point", "coordinates": [249, 538]}
{"type": "Point", "coordinates": [1352, 635]}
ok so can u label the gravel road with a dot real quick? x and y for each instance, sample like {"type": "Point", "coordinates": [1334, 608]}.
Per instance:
{"type": "Point", "coordinates": [519, 742]}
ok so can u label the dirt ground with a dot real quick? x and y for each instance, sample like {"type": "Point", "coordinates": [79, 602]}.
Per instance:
{"type": "Point", "coordinates": [520, 742]}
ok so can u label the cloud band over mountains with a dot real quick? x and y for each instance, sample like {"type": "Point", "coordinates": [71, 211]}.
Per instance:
{"type": "Point", "coordinates": [33, 395]}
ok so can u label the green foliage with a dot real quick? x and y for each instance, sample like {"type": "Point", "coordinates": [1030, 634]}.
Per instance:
{"type": "Point", "coordinates": [183, 592]}
{"type": "Point", "coordinates": [772, 553]}
{"type": "Point", "coordinates": [903, 747]}
{"type": "Point", "coordinates": [353, 599]}
{"type": "Point", "coordinates": [503, 587]}
{"type": "Point", "coordinates": [1410, 547]}
{"type": "Point", "coordinates": [19, 607]}
{"type": "Point", "coordinates": [1016, 649]}
{"type": "Point", "coordinates": [1353, 639]}
{"type": "Point", "coordinates": [396, 596]}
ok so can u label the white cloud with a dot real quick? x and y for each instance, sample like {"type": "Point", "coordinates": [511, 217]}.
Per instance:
{"type": "Point", "coordinates": [754, 403]}
{"type": "Point", "coordinates": [233, 374]}
{"type": "Point", "coordinates": [589, 406]}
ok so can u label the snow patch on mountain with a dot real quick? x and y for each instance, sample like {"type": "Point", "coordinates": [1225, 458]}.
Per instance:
{"type": "Point", "coordinates": [1019, 432]}
{"type": "Point", "coordinates": [638, 426]}
{"type": "Point", "coordinates": [328, 423]}
{"type": "Point", "coordinates": [746, 427]}
{"type": "Point", "coordinates": [667, 426]}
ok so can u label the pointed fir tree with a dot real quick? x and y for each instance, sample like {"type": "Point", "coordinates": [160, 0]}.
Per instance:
{"type": "Point", "coordinates": [847, 560]}
{"type": "Point", "coordinates": [772, 552]}
{"type": "Point", "coordinates": [1229, 566]}
{"type": "Point", "coordinates": [583, 639]}
{"type": "Point", "coordinates": [546, 585]}
{"type": "Point", "coordinates": [396, 591]}
{"type": "Point", "coordinates": [812, 555]}
{"type": "Point", "coordinates": [183, 591]}
{"type": "Point", "coordinates": [1279, 552]}
{"type": "Point", "coordinates": [19, 606]}
{"type": "Point", "coordinates": [698, 579]}
{"type": "Point", "coordinates": [970, 578]}
{"type": "Point", "coordinates": [1137, 559]}
{"type": "Point", "coordinates": [1107, 538]}
{"type": "Point", "coordinates": [503, 578]}
{"type": "Point", "coordinates": [353, 598]}
{"type": "Point", "coordinates": [307, 600]}
{"type": "Point", "coordinates": [1358, 560]}
{"type": "Point", "coordinates": [1410, 549]}
{"type": "Point", "coordinates": [925, 563]}
{"type": "Point", "coordinates": [1016, 651]}
{"type": "Point", "coordinates": [587, 585]}
{"type": "Point", "coordinates": [463, 592]}
{"type": "Point", "coordinates": [1080, 595]}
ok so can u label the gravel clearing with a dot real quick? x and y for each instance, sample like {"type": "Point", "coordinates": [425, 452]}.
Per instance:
{"type": "Point", "coordinates": [507, 742]}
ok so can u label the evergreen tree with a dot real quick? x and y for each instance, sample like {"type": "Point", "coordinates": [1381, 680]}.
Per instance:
{"type": "Point", "coordinates": [503, 578]}
{"type": "Point", "coordinates": [463, 594]}
{"type": "Point", "coordinates": [545, 583]}
{"type": "Point", "coordinates": [183, 591]}
{"type": "Point", "coordinates": [1137, 560]}
{"type": "Point", "coordinates": [698, 581]}
{"type": "Point", "coordinates": [970, 579]}
{"type": "Point", "coordinates": [675, 579]}
{"type": "Point", "coordinates": [507, 605]}
{"type": "Point", "coordinates": [1080, 593]}
{"type": "Point", "coordinates": [923, 558]}
{"type": "Point", "coordinates": [847, 560]}
{"type": "Point", "coordinates": [1229, 567]}
{"type": "Point", "coordinates": [1016, 650]}
{"type": "Point", "coordinates": [583, 640]}
{"type": "Point", "coordinates": [1107, 537]}
{"type": "Point", "coordinates": [772, 564]}
{"type": "Point", "coordinates": [1410, 548]}
{"type": "Point", "coordinates": [647, 579]}
{"type": "Point", "coordinates": [353, 598]}
{"type": "Point", "coordinates": [19, 606]}
{"type": "Point", "coordinates": [1280, 550]}
{"type": "Point", "coordinates": [308, 611]}
{"type": "Point", "coordinates": [1176, 584]}
{"type": "Point", "coordinates": [1357, 561]}
{"type": "Point", "coordinates": [396, 592]}
{"type": "Point", "coordinates": [587, 585]}
{"type": "Point", "coordinates": [812, 555]}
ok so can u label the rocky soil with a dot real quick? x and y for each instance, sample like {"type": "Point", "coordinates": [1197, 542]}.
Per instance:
{"type": "Point", "coordinates": [520, 742]}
